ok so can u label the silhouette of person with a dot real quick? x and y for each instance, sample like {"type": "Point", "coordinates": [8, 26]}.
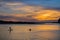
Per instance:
{"type": "Point", "coordinates": [10, 29]}
{"type": "Point", "coordinates": [29, 29]}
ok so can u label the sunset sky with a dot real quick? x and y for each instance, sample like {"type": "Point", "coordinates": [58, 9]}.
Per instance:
{"type": "Point", "coordinates": [30, 10]}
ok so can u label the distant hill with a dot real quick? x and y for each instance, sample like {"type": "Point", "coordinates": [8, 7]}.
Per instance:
{"type": "Point", "coordinates": [11, 22]}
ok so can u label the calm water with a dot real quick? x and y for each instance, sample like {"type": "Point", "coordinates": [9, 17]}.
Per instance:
{"type": "Point", "coordinates": [21, 32]}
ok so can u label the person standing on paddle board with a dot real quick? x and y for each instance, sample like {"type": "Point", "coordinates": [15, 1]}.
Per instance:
{"type": "Point", "coordinates": [10, 29]}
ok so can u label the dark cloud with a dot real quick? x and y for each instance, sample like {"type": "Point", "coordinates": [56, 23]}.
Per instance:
{"type": "Point", "coordinates": [3, 17]}
{"type": "Point", "coordinates": [58, 8]}
{"type": "Point", "coordinates": [9, 18]}
{"type": "Point", "coordinates": [12, 18]}
{"type": "Point", "coordinates": [0, 5]}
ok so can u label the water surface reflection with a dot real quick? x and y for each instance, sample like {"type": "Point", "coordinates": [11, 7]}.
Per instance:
{"type": "Point", "coordinates": [38, 32]}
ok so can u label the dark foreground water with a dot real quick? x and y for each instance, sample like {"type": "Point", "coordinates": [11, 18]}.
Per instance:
{"type": "Point", "coordinates": [21, 32]}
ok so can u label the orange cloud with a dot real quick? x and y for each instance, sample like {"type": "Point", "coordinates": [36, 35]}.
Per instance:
{"type": "Point", "coordinates": [47, 15]}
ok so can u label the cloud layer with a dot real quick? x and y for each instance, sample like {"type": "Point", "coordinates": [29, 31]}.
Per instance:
{"type": "Point", "coordinates": [19, 11]}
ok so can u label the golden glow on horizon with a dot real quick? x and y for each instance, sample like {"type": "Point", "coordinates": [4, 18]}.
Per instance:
{"type": "Point", "coordinates": [48, 15]}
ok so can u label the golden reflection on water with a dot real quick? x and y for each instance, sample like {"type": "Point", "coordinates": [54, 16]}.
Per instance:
{"type": "Point", "coordinates": [47, 27]}
{"type": "Point", "coordinates": [25, 28]}
{"type": "Point", "coordinates": [39, 32]}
